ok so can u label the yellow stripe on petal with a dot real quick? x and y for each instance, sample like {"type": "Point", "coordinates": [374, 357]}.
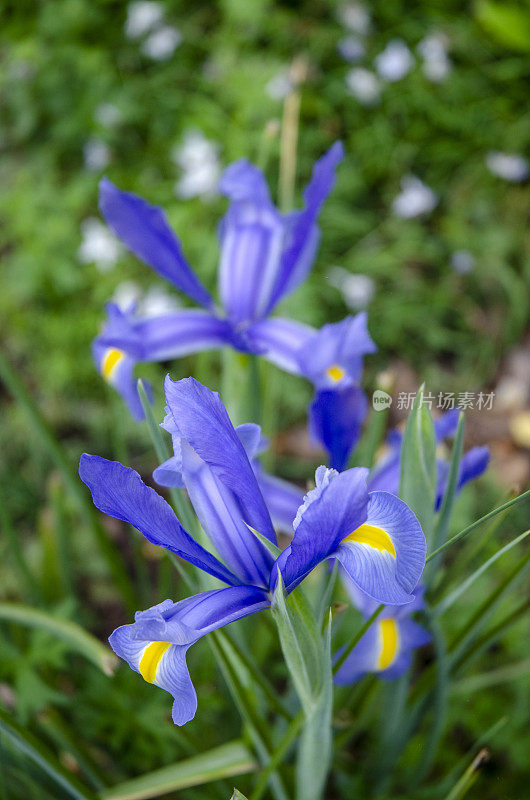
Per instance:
{"type": "Point", "coordinates": [110, 361]}
{"type": "Point", "coordinates": [335, 372]}
{"type": "Point", "coordinates": [389, 635]}
{"type": "Point", "coordinates": [151, 659]}
{"type": "Point", "coordinates": [373, 536]}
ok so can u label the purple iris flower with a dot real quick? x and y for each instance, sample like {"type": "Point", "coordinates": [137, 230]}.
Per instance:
{"type": "Point", "coordinates": [387, 646]}
{"type": "Point", "coordinates": [385, 475]}
{"type": "Point", "coordinates": [264, 255]}
{"type": "Point", "coordinates": [375, 537]}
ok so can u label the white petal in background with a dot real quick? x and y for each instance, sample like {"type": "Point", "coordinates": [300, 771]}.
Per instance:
{"type": "Point", "coordinates": [198, 158]}
{"type": "Point", "coordinates": [357, 290]}
{"type": "Point", "coordinates": [511, 167]}
{"type": "Point", "coordinates": [351, 48]}
{"type": "Point", "coordinates": [415, 198]}
{"type": "Point", "coordinates": [395, 61]}
{"type": "Point", "coordinates": [462, 262]}
{"type": "Point", "coordinates": [142, 17]}
{"type": "Point", "coordinates": [364, 86]}
{"type": "Point", "coordinates": [98, 245]}
{"type": "Point", "coordinates": [96, 154]}
{"type": "Point", "coordinates": [436, 63]}
{"type": "Point", "coordinates": [355, 17]}
{"type": "Point", "coordinates": [162, 43]}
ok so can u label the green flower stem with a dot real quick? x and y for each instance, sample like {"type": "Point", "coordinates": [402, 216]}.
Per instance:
{"type": "Point", "coordinates": [358, 636]}
{"type": "Point", "coordinates": [281, 750]}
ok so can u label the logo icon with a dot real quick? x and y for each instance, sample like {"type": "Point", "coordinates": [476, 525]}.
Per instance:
{"type": "Point", "coordinates": [381, 400]}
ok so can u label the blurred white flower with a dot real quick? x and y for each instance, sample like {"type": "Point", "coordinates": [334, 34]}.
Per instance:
{"type": "Point", "coordinates": [395, 61]}
{"type": "Point", "coordinates": [509, 166]}
{"type": "Point", "coordinates": [355, 17]}
{"type": "Point", "coordinates": [142, 17]}
{"type": "Point", "coordinates": [198, 158]}
{"type": "Point", "coordinates": [96, 154]}
{"type": "Point", "coordinates": [162, 43]}
{"type": "Point", "coordinates": [98, 245]}
{"type": "Point", "coordinates": [436, 63]}
{"type": "Point", "coordinates": [415, 198]}
{"type": "Point", "coordinates": [462, 262]}
{"type": "Point", "coordinates": [364, 85]}
{"type": "Point", "coordinates": [351, 48]}
{"type": "Point", "coordinates": [279, 86]}
{"type": "Point", "coordinates": [107, 114]}
{"type": "Point", "coordinates": [126, 294]}
{"type": "Point", "coordinates": [357, 290]}
{"type": "Point", "coordinates": [157, 301]}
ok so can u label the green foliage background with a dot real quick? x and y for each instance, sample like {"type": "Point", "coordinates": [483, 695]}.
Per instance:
{"type": "Point", "coordinates": [60, 60]}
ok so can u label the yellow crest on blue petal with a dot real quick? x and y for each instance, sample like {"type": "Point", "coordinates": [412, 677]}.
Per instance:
{"type": "Point", "coordinates": [374, 537]}
{"type": "Point", "coordinates": [150, 660]}
{"type": "Point", "coordinates": [110, 361]}
{"type": "Point", "coordinates": [335, 372]}
{"type": "Point", "coordinates": [389, 638]}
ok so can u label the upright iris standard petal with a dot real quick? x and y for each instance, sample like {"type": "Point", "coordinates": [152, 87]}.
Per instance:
{"type": "Point", "coordinates": [385, 556]}
{"type": "Point", "coordinates": [120, 492]}
{"type": "Point", "coordinates": [337, 506]}
{"type": "Point", "coordinates": [155, 645]}
{"type": "Point", "coordinates": [472, 465]}
{"type": "Point", "coordinates": [335, 421]}
{"type": "Point", "coordinates": [334, 355]}
{"type": "Point", "coordinates": [117, 368]}
{"type": "Point", "coordinates": [302, 231]}
{"type": "Point", "coordinates": [252, 235]}
{"type": "Point", "coordinates": [145, 231]}
{"type": "Point", "coordinates": [280, 341]}
{"type": "Point", "coordinates": [219, 478]}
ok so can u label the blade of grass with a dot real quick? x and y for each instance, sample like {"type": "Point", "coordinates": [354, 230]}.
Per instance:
{"type": "Point", "coordinates": [279, 754]}
{"type": "Point", "coordinates": [476, 524]}
{"type": "Point", "coordinates": [58, 456]}
{"type": "Point", "coordinates": [484, 680]}
{"type": "Point", "coordinates": [447, 601]}
{"type": "Point", "coordinates": [485, 738]}
{"type": "Point", "coordinates": [225, 761]}
{"type": "Point", "coordinates": [79, 640]}
{"type": "Point", "coordinates": [469, 777]}
{"type": "Point", "coordinates": [493, 633]}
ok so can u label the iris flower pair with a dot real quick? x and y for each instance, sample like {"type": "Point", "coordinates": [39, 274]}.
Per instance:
{"type": "Point", "coordinates": [375, 537]}
{"type": "Point", "coordinates": [264, 255]}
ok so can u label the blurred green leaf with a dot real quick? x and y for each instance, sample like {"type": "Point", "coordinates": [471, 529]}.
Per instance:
{"type": "Point", "coordinates": [417, 484]}
{"type": "Point", "coordinates": [76, 637]}
{"type": "Point", "coordinates": [225, 761]}
{"type": "Point", "coordinates": [507, 23]}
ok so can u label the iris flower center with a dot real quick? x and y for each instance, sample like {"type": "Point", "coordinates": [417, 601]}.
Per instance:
{"type": "Point", "coordinates": [110, 361]}
{"type": "Point", "coordinates": [373, 536]}
{"type": "Point", "coordinates": [335, 372]}
{"type": "Point", "coordinates": [150, 660]}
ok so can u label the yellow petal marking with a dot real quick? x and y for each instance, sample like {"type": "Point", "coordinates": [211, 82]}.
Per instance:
{"type": "Point", "coordinates": [151, 659]}
{"type": "Point", "coordinates": [389, 635]}
{"type": "Point", "coordinates": [373, 536]}
{"type": "Point", "coordinates": [335, 372]}
{"type": "Point", "coordinates": [110, 361]}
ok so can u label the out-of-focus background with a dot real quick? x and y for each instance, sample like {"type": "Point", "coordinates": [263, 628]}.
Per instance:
{"type": "Point", "coordinates": [426, 229]}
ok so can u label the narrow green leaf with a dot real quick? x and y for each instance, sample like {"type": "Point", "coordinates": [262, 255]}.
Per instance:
{"type": "Point", "coordinates": [300, 641]}
{"type": "Point", "coordinates": [469, 777]}
{"type": "Point", "coordinates": [444, 517]}
{"type": "Point", "coordinates": [225, 761]}
{"type": "Point", "coordinates": [451, 598]}
{"type": "Point", "coordinates": [270, 546]}
{"type": "Point", "coordinates": [43, 760]}
{"type": "Point", "coordinates": [417, 486]}
{"type": "Point", "coordinates": [236, 795]}
{"type": "Point", "coordinates": [479, 522]}
{"type": "Point", "coordinates": [314, 750]}
{"type": "Point", "coordinates": [72, 482]}
{"type": "Point", "coordinates": [79, 640]}
{"type": "Point", "coordinates": [485, 738]}
{"type": "Point", "coordinates": [279, 754]}
{"type": "Point", "coordinates": [496, 630]}
{"type": "Point", "coordinates": [485, 680]}
{"type": "Point", "coordinates": [372, 437]}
